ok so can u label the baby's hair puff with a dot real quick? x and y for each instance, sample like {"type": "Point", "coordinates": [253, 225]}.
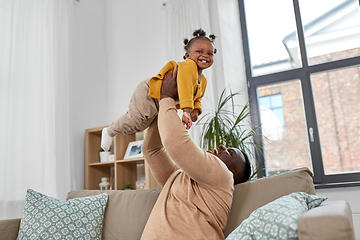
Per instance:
{"type": "Point", "coordinates": [198, 34]}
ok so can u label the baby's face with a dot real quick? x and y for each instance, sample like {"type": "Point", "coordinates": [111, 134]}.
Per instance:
{"type": "Point", "coordinates": [201, 52]}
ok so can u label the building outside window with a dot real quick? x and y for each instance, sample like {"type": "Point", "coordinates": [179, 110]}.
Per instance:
{"type": "Point", "coordinates": [306, 54]}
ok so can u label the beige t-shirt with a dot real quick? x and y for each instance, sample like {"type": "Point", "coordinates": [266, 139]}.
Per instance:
{"type": "Point", "coordinates": [197, 187]}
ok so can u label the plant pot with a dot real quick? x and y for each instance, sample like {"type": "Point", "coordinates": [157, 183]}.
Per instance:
{"type": "Point", "coordinates": [104, 156]}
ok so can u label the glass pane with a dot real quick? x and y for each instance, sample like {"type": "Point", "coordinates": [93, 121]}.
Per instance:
{"type": "Point", "coordinates": [279, 114]}
{"type": "Point", "coordinates": [285, 144]}
{"type": "Point", "coordinates": [265, 101]}
{"type": "Point", "coordinates": [268, 22]}
{"type": "Point", "coordinates": [331, 29]}
{"type": "Point", "coordinates": [276, 101]}
{"type": "Point", "coordinates": [337, 104]}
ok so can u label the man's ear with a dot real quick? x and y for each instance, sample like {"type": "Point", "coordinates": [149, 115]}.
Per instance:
{"type": "Point", "coordinates": [235, 177]}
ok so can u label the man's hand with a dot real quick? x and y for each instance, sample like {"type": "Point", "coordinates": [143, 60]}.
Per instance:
{"type": "Point", "coordinates": [194, 115]}
{"type": "Point", "coordinates": [169, 85]}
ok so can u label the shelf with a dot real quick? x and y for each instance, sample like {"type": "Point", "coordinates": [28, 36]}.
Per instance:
{"type": "Point", "coordinates": [101, 164]}
{"type": "Point", "coordinates": [132, 160]}
{"type": "Point", "coordinates": [122, 171]}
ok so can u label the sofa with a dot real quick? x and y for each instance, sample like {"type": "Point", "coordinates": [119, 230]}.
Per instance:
{"type": "Point", "coordinates": [128, 210]}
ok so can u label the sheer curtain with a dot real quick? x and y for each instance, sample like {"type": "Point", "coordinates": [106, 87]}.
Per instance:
{"type": "Point", "coordinates": [183, 17]}
{"type": "Point", "coordinates": [34, 101]}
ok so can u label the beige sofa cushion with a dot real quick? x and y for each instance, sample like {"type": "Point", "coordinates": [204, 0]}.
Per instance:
{"type": "Point", "coordinates": [332, 220]}
{"type": "Point", "coordinates": [126, 213]}
{"type": "Point", "coordinates": [251, 195]}
{"type": "Point", "coordinates": [9, 228]}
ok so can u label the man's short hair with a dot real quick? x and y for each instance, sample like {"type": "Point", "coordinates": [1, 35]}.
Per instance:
{"type": "Point", "coordinates": [247, 170]}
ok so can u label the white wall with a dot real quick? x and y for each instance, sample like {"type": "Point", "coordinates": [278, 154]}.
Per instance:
{"type": "Point", "coordinates": [88, 85]}
{"type": "Point", "coordinates": [349, 194]}
{"type": "Point", "coordinates": [136, 48]}
{"type": "Point", "coordinates": [231, 50]}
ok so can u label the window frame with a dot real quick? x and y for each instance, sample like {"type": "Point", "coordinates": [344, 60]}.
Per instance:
{"type": "Point", "coordinates": [321, 180]}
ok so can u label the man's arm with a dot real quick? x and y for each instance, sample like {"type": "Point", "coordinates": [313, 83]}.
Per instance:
{"type": "Point", "coordinates": [155, 155]}
{"type": "Point", "coordinates": [199, 165]}
{"type": "Point", "coordinates": [159, 161]}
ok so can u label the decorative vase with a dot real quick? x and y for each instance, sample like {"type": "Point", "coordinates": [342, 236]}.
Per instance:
{"type": "Point", "coordinates": [104, 156]}
{"type": "Point", "coordinates": [104, 184]}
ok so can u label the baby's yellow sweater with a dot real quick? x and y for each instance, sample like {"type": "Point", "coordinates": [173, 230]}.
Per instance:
{"type": "Point", "coordinates": [189, 90]}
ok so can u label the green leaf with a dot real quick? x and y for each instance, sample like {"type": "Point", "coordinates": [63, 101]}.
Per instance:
{"type": "Point", "coordinates": [224, 125]}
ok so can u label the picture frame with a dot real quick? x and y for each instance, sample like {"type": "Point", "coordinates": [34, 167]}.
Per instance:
{"type": "Point", "coordinates": [134, 150]}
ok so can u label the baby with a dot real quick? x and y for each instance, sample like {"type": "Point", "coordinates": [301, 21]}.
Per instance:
{"type": "Point", "coordinates": [191, 84]}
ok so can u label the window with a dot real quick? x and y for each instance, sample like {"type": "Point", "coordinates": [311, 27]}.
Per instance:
{"type": "Point", "coordinates": [302, 65]}
{"type": "Point", "coordinates": [285, 145]}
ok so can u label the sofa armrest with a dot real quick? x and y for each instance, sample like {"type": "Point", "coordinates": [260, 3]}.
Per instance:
{"type": "Point", "coordinates": [330, 220]}
{"type": "Point", "coordinates": [9, 228]}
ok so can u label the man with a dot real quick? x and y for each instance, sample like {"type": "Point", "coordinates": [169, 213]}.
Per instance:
{"type": "Point", "coordinates": [197, 185]}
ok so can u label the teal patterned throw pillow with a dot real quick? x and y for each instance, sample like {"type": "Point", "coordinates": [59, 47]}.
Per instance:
{"type": "Point", "coordinates": [49, 218]}
{"type": "Point", "coordinates": [277, 219]}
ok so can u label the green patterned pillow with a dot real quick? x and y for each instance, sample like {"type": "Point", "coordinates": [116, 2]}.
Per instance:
{"type": "Point", "coordinates": [277, 219]}
{"type": "Point", "coordinates": [49, 218]}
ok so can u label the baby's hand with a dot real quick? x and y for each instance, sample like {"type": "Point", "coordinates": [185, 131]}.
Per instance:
{"type": "Point", "coordinates": [194, 115]}
{"type": "Point", "coordinates": [186, 119]}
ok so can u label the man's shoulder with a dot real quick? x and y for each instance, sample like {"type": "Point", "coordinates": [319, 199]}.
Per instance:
{"type": "Point", "coordinates": [219, 165]}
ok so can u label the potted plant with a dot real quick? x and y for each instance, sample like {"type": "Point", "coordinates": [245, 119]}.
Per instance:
{"type": "Point", "coordinates": [224, 125]}
{"type": "Point", "coordinates": [128, 186]}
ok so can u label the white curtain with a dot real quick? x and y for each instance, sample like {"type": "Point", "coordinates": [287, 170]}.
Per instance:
{"type": "Point", "coordinates": [34, 101]}
{"type": "Point", "coordinates": [182, 18]}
